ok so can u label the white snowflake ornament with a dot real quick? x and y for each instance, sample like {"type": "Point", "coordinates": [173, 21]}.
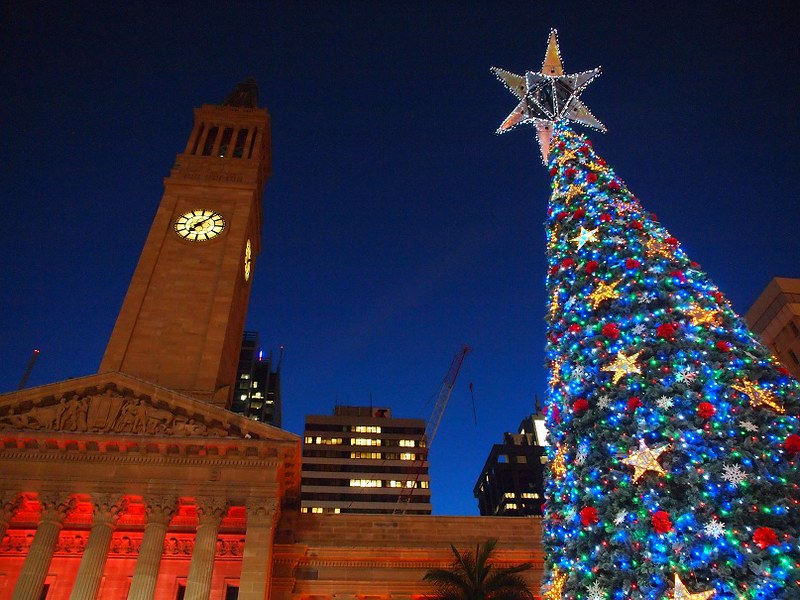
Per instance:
{"type": "Point", "coordinates": [578, 372]}
{"type": "Point", "coordinates": [733, 474]}
{"type": "Point", "coordinates": [665, 402]}
{"type": "Point", "coordinates": [621, 516]}
{"type": "Point", "coordinates": [639, 329]}
{"type": "Point", "coordinates": [596, 592]}
{"type": "Point", "coordinates": [714, 528]}
{"type": "Point", "coordinates": [685, 375]}
{"type": "Point", "coordinates": [604, 401]}
{"type": "Point", "coordinates": [749, 426]}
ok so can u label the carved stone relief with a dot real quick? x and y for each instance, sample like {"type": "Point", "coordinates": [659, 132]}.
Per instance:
{"type": "Point", "coordinates": [106, 412]}
{"type": "Point", "coordinates": [122, 544]}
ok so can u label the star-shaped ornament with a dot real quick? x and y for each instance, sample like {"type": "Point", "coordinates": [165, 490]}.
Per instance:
{"type": "Point", "coordinates": [681, 593]}
{"type": "Point", "coordinates": [548, 97]}
{"type": "Point", "coordinates": [585, 236]}
{"type": "Point", "coordinates": [555, 372]}
{"type": "Point", "coordinates": [758, 396]}
{"type": "Point", "coordinates": [604, 291]}
{"type": "Point", "coordinates": [702, 316]}
{"type": "Point", "coordinates": [572, 192]}
{"type": "Point", "coordinates": [623, 365]}
{"type": "Point", "coordinates": [559, 465]}
{"type": "Point", "coordinates": [645, 459]}
{"type": "Point", "coordinates": [654, 247]}
{"type": "Point", "coordinates": [556, 587]}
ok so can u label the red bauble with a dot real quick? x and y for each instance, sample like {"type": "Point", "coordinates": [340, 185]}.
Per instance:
{"type": "Point", "coordinates": [584, 149]}
{"type": "Point", "coordinates": [553, 269]}
{"type": "Point", "coordinates": [723, 346]}
{"type": "Point", "coordinates": [553, 172]}
{"type": "Point", "coordinates": [579, 213]}
{"type": "Point", "coordinates": [671, 241]}
{"type": "Point", "coordinates": [764, 537]}
{"type": "Point", "coordinates": [694, 265]}
{"type": "Point", "coordinates": [792, 444]}
{"type": "Point", "coordinates": [632, 263]}
{"type": "Point", "coordinates": [605, 218]}
{"type": "Point", "coordinates": [666, 331]}
{"type": "Point", "coordinates": [661, 522]}
{"type": "Point", "coordinates": [611, 331]}
{"type": "Point", "coordinates": [591, 177]}
{"type": "Point", "coordinates": [613, 185]}
{"type": "Point", "coordinates": [574, 328]}
{"type": "Point", "coordinates": [562, 215]}
{"type": "Point", "coordinates": [561, 145]}
{"type": "Point", "coordinates": [634, 402]}
{"type": "Point", "coordinates": [706, 410]}
{"type": "Point", "coordinates": [591, 267]}
{"type": "Point", "coordinates": [718, 297]}
{"type": "Point", "coordinates": [636, 225]}
{"type": "Point", "coordinates": [679, 275]}
{"type": "Point", "coordinates": [580, 405]}
{"type": "Point", "coordinates": [568, 262]}
{"type": "Point", "coordinates": [555, 414]}
{"type": "Point", "coordinates": [571, 172]}
{"type": "Point", "coordinates": [783, 370]}
{"type": "Point", "coordinates": [589, 516]}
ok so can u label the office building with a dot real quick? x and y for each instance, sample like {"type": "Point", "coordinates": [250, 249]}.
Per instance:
{"type": "Point", "coordinates": [775, 317]}
{"type": "Point", "coordinates": [512, 480]}
{"type": "Point", "coordinates": [258, 383]}
{"type": "Point", "coordinates": [362, 460]}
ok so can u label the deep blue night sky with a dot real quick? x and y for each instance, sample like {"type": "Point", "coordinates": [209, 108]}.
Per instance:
{"type": "Point", "coordinates": [398, 226]}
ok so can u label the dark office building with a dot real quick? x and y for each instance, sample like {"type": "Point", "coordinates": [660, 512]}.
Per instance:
{"type": "Point", "coordinates": [512, 480]}
{"type": "Point", "coordinates": [258, 383]}
{"type": "Point", "coordinates": [362, 460]}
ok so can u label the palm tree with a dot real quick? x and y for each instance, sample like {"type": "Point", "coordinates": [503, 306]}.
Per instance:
{"type": "Point", "coordinates": [473, 577]}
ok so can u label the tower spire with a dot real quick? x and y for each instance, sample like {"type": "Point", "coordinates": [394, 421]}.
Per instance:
{"type": "Point", "coordinates": [244, 95]}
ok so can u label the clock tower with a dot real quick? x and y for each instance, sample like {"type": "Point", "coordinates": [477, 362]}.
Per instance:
{"type": "Point", "coordinates": [182, 319]}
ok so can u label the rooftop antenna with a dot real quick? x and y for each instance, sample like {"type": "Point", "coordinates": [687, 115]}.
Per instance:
{"type": "Point", "coordinates": [28, 369]}
{"type": "Point", "coordinates": [280, 358]}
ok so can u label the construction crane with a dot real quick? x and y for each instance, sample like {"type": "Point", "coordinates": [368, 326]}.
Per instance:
{"type": "Point", "coordinates": [431, 426]}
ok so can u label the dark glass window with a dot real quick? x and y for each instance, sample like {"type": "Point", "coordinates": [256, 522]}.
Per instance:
{"type": "Point", "coordinates": [238, 149]}
{"type": "Point", "coordinates": [212, 137]}
{"type": "Point", "coordinates": [227, 134]}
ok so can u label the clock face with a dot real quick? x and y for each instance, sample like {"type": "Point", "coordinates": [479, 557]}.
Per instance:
{"type": "Point", "coordinates": [248, 260]}
{"type": "Point", "coordinates": [199, 225]}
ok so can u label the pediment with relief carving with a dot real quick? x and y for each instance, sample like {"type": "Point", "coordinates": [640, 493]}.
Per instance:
{"type": "Point", "coordinates": [117, 403]}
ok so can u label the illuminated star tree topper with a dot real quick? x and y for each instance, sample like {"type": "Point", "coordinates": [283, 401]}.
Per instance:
{"type": "Point", "coordinates": [548, 97]}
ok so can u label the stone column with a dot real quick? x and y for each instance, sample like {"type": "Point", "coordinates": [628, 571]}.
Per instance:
{"type": "Point", "coordinates": [9, 503]}
{"type": "Point", "coordinates": [254, 581]}
{"type": "Point", "coordinates": [159, 513]}
{"type": "Point", "coordinates": [55, 507]}
{"type": "Point", "coordinates": [107, 511]}
{"type": "Point", "coordinates": [210, 511]}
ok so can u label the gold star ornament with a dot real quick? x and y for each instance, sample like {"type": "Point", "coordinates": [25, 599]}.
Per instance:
{"type": "Point", "coordinates": [623, 365]}
{"type": "Point", "coordinates": [585, 236]}
{"type": "Point", "coordinates": [556, 588]}
{"type": "Point", "coordinates": [681, 593]}
{"type": "Point", "coordinates": [758, 396]}
{"type": "Point", "coordinates": [702, 316]}
{"type": "Point", "coordinates": [645, 459]}
{"type": "Point", "coordinates": [604, 291]}
{"type": "Point", "coordinates": [559, 465]}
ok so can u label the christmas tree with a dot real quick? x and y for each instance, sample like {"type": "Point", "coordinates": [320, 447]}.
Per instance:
{"type": "Point", "coordinates": [674, 431]}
